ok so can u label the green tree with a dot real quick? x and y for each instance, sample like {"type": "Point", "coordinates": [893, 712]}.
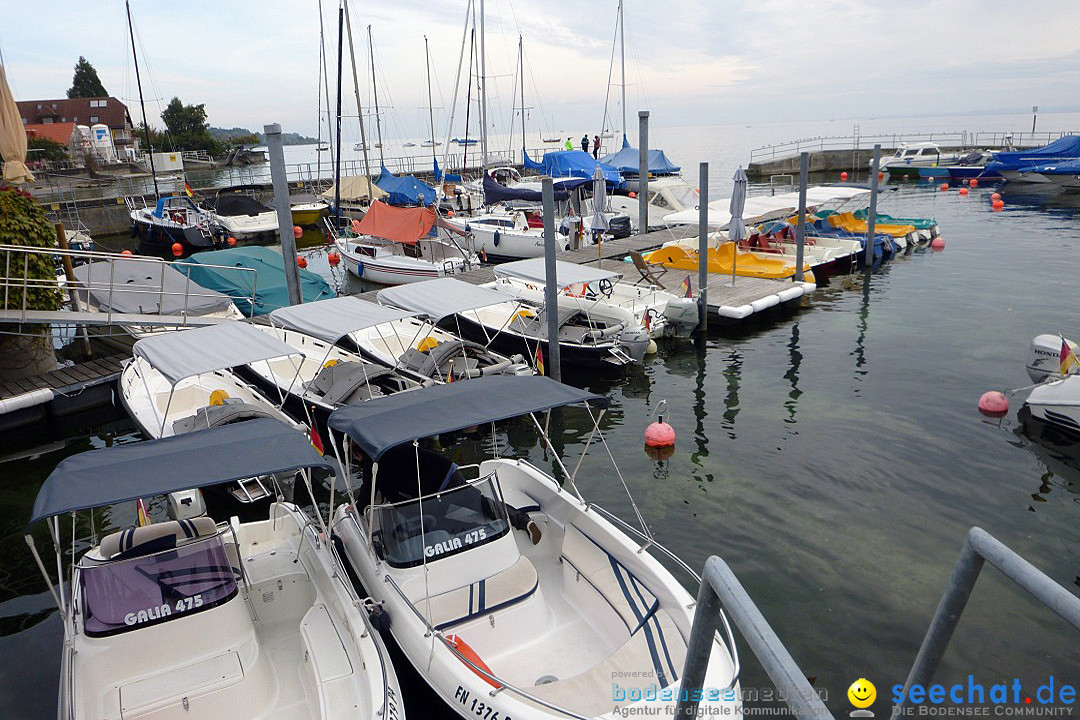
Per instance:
{"type": "Point", "coordinates": [46, 149]}
{"type": "Point", "coordinates": [86, 83]}
{"type": "Point", "coordinates": [188, 127]}
{"type": "Point", "coordinates": [24, 352]}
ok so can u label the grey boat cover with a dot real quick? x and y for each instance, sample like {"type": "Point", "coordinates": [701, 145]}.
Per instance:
{"type": "Point", "coordinates": [534, 270]}
{"type": "Point", "coordinates": [155, 467]}
{"type": "Point", "coordinates": [179, 355]}
{"type": "Point", "coordinates": [349, 382]}
{"type": "Point", "coordinates": [138, 285]}
{"type": "Point", "coordinates": [403, 417]}
{"type": "Point", "coordinates": [441, 297]}
{"type": "Point", "coordinates": [211, 416]}
{"type": "Point", "coordinates": [332, 319]}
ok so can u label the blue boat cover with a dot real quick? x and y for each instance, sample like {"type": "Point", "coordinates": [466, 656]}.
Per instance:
{"type": "Point", "coordinates": [529, 163]}
{"type": "Point", "coordinates": [1066, 148]}
{"type": "Point", "coordinates": [497, 193]}
{"type": "Point", "coordinates": [403, 417]}
{"type": "Point", "coordinates": [440, 176]}
{"type": "Point", "coordinates": [404, 189]}
{"type": "Point", "coordinates": [181, 462]}
{"type": "Point", "coordinates": [271, 292]}
{"type": "Point", "coordinates": [628, 161]}
{"type": "Point", "coordinates": [1067, 167]}
{"type": "Point", "coordinates": [575, 163]}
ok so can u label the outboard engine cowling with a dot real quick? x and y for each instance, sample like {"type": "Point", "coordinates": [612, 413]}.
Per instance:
{"type": "Point", "coordinates": [1044, 358]}
{"type": "Point", "coordinates": [635, 341]}
{"type": "Point", "coordinates": [682, 316]}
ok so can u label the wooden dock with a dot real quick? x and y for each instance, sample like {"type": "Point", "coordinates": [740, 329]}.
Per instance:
{"type": "Point", "coordinates": [61, 392]}
{"type": "Point", "coordinates": [729, 301]}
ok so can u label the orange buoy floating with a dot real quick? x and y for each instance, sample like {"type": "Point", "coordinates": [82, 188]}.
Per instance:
{"type": "Point", "coordinates": [974, 182]}
{"type": "Point", "coordinates": [843, 175]}
{"type": "Point", "coordinates": [993, 404]}
{"type": "Point", "coordinates": [944, 187]}
{"type": "Point", "coordinates": [998, 204]}
{"type": "Point", "coordinates": [177, 249]}
{"type": "Point", "coordinates": [937, 244]}
{"type": "Point", "coordinates": [301, 261]}
{"type": "Point", "coordinates": [297, 231]}
{"type": "Point", "coordinates": [963, 191]}
{"type": "Point", "coordinates": [660, 434]}
{"type": "Point", "coordinates": [995, 196]}
{"type": "Point", "coordinates": [230, 241]}
{"type": "Point", "coordinates": [333, 258]}
{"type": "Point", "coordinates": [469, 654]}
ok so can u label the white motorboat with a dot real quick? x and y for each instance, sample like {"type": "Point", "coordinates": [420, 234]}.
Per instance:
{"type": "Point", "coordinates": [191, 618]}
{"type": "Point", "coordinates": [508, 592]}
{"type": "Point", "coordinates": [514, 326]}
{"type": "Point", "coordinates": [179, 382]}
{"type": "Point", "coordinates": [667, 194]}
{"type": "Point", "coordinates": [1055, 399]}
{"type": "Point", "coordinates": [242, 216]}
{"type": "Point", "coordinates": [146, 286]}
{"type": "Point", "coordinates": [591, 289]}
{"type": "Point", "coordinates": [505, 234]}
{"type": "Point", "coordinates": [912, 155]}
{"type": "Point", "coordinates": [391, 246]}
{"type": "Point", "coordinates": [398, 339]}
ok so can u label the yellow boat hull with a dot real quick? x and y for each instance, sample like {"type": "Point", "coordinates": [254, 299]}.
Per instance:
{"type": "Point", "coordinates": [307, 216]}
{"type": "Point", "coordinates": [747, 264]}
{"type": "Point", "coordinates": [850, 223]}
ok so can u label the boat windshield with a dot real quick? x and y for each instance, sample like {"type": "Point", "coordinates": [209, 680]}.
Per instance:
{"type": "Point", "coordinates": [130, 594]}
{"type": "Point", "coordinates": [441, 524]}
{"type": "Point", "coordinates": [685, 196]}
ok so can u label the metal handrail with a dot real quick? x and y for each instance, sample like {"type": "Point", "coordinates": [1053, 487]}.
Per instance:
{"type": "Point", "coordinates": [482, 672]}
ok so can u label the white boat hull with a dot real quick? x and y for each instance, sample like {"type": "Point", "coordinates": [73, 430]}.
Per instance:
{"type": "Point", "coordinates": [388, 269]}
{"type": "Point", "coordinates": [1057, 403]}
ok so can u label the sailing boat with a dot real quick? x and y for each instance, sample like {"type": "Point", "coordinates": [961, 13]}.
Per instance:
{"type": "Point", "coordinates": [175, 226]}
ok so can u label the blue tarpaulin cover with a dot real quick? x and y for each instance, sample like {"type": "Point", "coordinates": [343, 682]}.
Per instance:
{"type": "Point", "coordinates": [440, 176]}
{"type": "Point", "coordinates": [575, 163]}
{"type": "Point", "coordinates": [628, 161]}
{"type": "Point", "coordinates": [404, 189]}
{"type": "Point", "coordinates": [271, 291]}
{"type": "Point", "coordinates": [155, 467]}
{"type": "Point", "coordinates": [529, 163]}
{"type": "Point", "coordinates": [1066, 148]}
{"type": "Point", "coordinates": [402, 417]}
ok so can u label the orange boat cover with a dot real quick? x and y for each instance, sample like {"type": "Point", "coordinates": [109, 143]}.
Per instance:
{"type": "Point", "coordinates": [404, 225]}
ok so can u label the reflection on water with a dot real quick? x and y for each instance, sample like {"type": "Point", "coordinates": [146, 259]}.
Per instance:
{"type": "Point", "coordinates": [792, 374]}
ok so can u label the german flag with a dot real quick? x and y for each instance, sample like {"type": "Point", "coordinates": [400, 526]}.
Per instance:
{"type": "Point", "coordinates": [539, 360]}
{"type": "Point", "coordinates": [187, 190]}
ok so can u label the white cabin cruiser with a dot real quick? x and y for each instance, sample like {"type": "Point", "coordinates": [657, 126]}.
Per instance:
{"type": "Point", "coordinates": [508, 592]}
{"type": "Point", "coordinates": [512, 326]}
{"type": "Point", "coordinates": [242, 216]}
{"type": "Point", "coordinates": [191, 618]}
{"type": "Point", "coordinates": [501, 233]}
{"type": "Point", "coordinates": [391, 246]}
{"type": "Point", "coordinates": [398, 339]}
{"type": "Point", "coordinates": [1055, 400]}
{"type": "Point", "coordinates": [180, 381]}
{"type": "Point", "coordinates": [667, 194]}
{"type": "Point", "coordinates": [589, 289]}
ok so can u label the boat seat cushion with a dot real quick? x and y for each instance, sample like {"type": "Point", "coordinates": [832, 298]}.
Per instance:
{"type": "Point", "coordinates": [348, 382]}
{"type": "Point", "coordinates": [622, 590]}
{"type": "Point", "coordinates": [135, 541]}
{"type": "Point", "coordinates": [512, 585]}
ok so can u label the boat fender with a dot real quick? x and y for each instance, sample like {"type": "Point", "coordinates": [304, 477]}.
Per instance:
{"type": "Point", "coordinates": [359, 268]}
{"type": "Point", "coordinates": [134, 230]}
{"type": "Point", "coordinates": [380, 619]}
{"type": "Point", "coordinates": [469, 654]}
{"type": "Point", "coordinates": [496, 238]}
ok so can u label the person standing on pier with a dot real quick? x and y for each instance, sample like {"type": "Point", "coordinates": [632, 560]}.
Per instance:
{"type": "Point", "coordinates": [585, 143]}
{"type": "Point", "coordinates": [596, 147]}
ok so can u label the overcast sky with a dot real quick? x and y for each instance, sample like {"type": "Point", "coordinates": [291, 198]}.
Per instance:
{"type": "Point", "coordinates": [691, 62]}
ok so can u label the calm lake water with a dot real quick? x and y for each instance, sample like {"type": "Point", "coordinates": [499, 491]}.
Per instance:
{"type": "Point", "coordinates": [833, 458]}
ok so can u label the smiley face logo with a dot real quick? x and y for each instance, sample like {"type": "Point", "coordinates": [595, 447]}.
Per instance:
{"type": "Point", "coordinates": [862, 693]}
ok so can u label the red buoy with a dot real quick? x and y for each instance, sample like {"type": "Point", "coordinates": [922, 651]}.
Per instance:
{"type": "Point", "coordinates": [944, 187]}
{"type": "Point", "coordinates": [993, 404]}
{"type": "Point", "coordinates": [177, 249]}
{"type": "Point", "coordinates": [998, 204]}
{"type": "Point", "coordinates": [937, 244]}
{"type": "Point", "coordinates": [963, 191]}
{"type": "Point", "coordinates": [230, 241]}
{"type": "Point", "coordinates": [843, 175]}
{"type": "Point", "coordinates": [995, 196]}
{"type": "Point", "coordinates": [302, 262]}
{"type": "Point", "coordinates": [333, 258]}
{"type": "Point", "coordinates": [126, 252]}
{"type": "Point", "coordinates": [660, 434]}
{"type": "Point", "coordinates": [974, 182]}
{"type": "Point", "coordinates": [297, 231]}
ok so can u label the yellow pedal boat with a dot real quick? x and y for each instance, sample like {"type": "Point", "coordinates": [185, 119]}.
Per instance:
{"type": "Point", "coordinates": [747, 264]}
{"type": "Point", "coordinates": [847, 221]}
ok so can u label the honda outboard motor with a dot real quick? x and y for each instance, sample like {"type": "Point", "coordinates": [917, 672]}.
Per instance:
{"type": "Point", "coordinates": [635, 341]}
{"type": "Point", "coordinates": [1044, 358]}
{"type": "Point", "coordinates": [681, 315]}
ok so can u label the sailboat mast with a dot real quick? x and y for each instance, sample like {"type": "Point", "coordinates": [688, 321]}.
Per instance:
{"type": "Point", "coordinates": [337, 161]}
{"type": "Point", "coordinates": [138, 81]}
{"type": "Point", "coordinates": [430, 104]}
{"type": "Point", "coordinates": [375, 92]}
{"type": "Point", "coordinates": [622, 64]}
{"type": "Point", "coordinates": [521, 62]}
{"type": "Point", "coordinates": [326, 90]}
{"type": "Point", "coordinates": [483, 93]}
{"type": "Point", "coordinates": [318, 99]}
{"type": "Point", "coordinates": [356, 91]}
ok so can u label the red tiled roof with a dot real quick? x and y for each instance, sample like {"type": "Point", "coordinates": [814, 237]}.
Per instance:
{"type": "Point", "coordinates": [114, 113]}
{"type": "Point", "coordinates": [57, 132]}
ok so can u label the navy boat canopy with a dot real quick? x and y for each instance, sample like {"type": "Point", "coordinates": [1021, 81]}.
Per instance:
{"type": "Point", "coordinates": [403, 417]}
{"type": "Point", "coordinates": [181, 462]}
{"type": "Point", "coordinates": [1065, 148]}
{"type": "Point", "coordinates": [404, 189]}
{"type": "Point", "coordinates": [628, 161]}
